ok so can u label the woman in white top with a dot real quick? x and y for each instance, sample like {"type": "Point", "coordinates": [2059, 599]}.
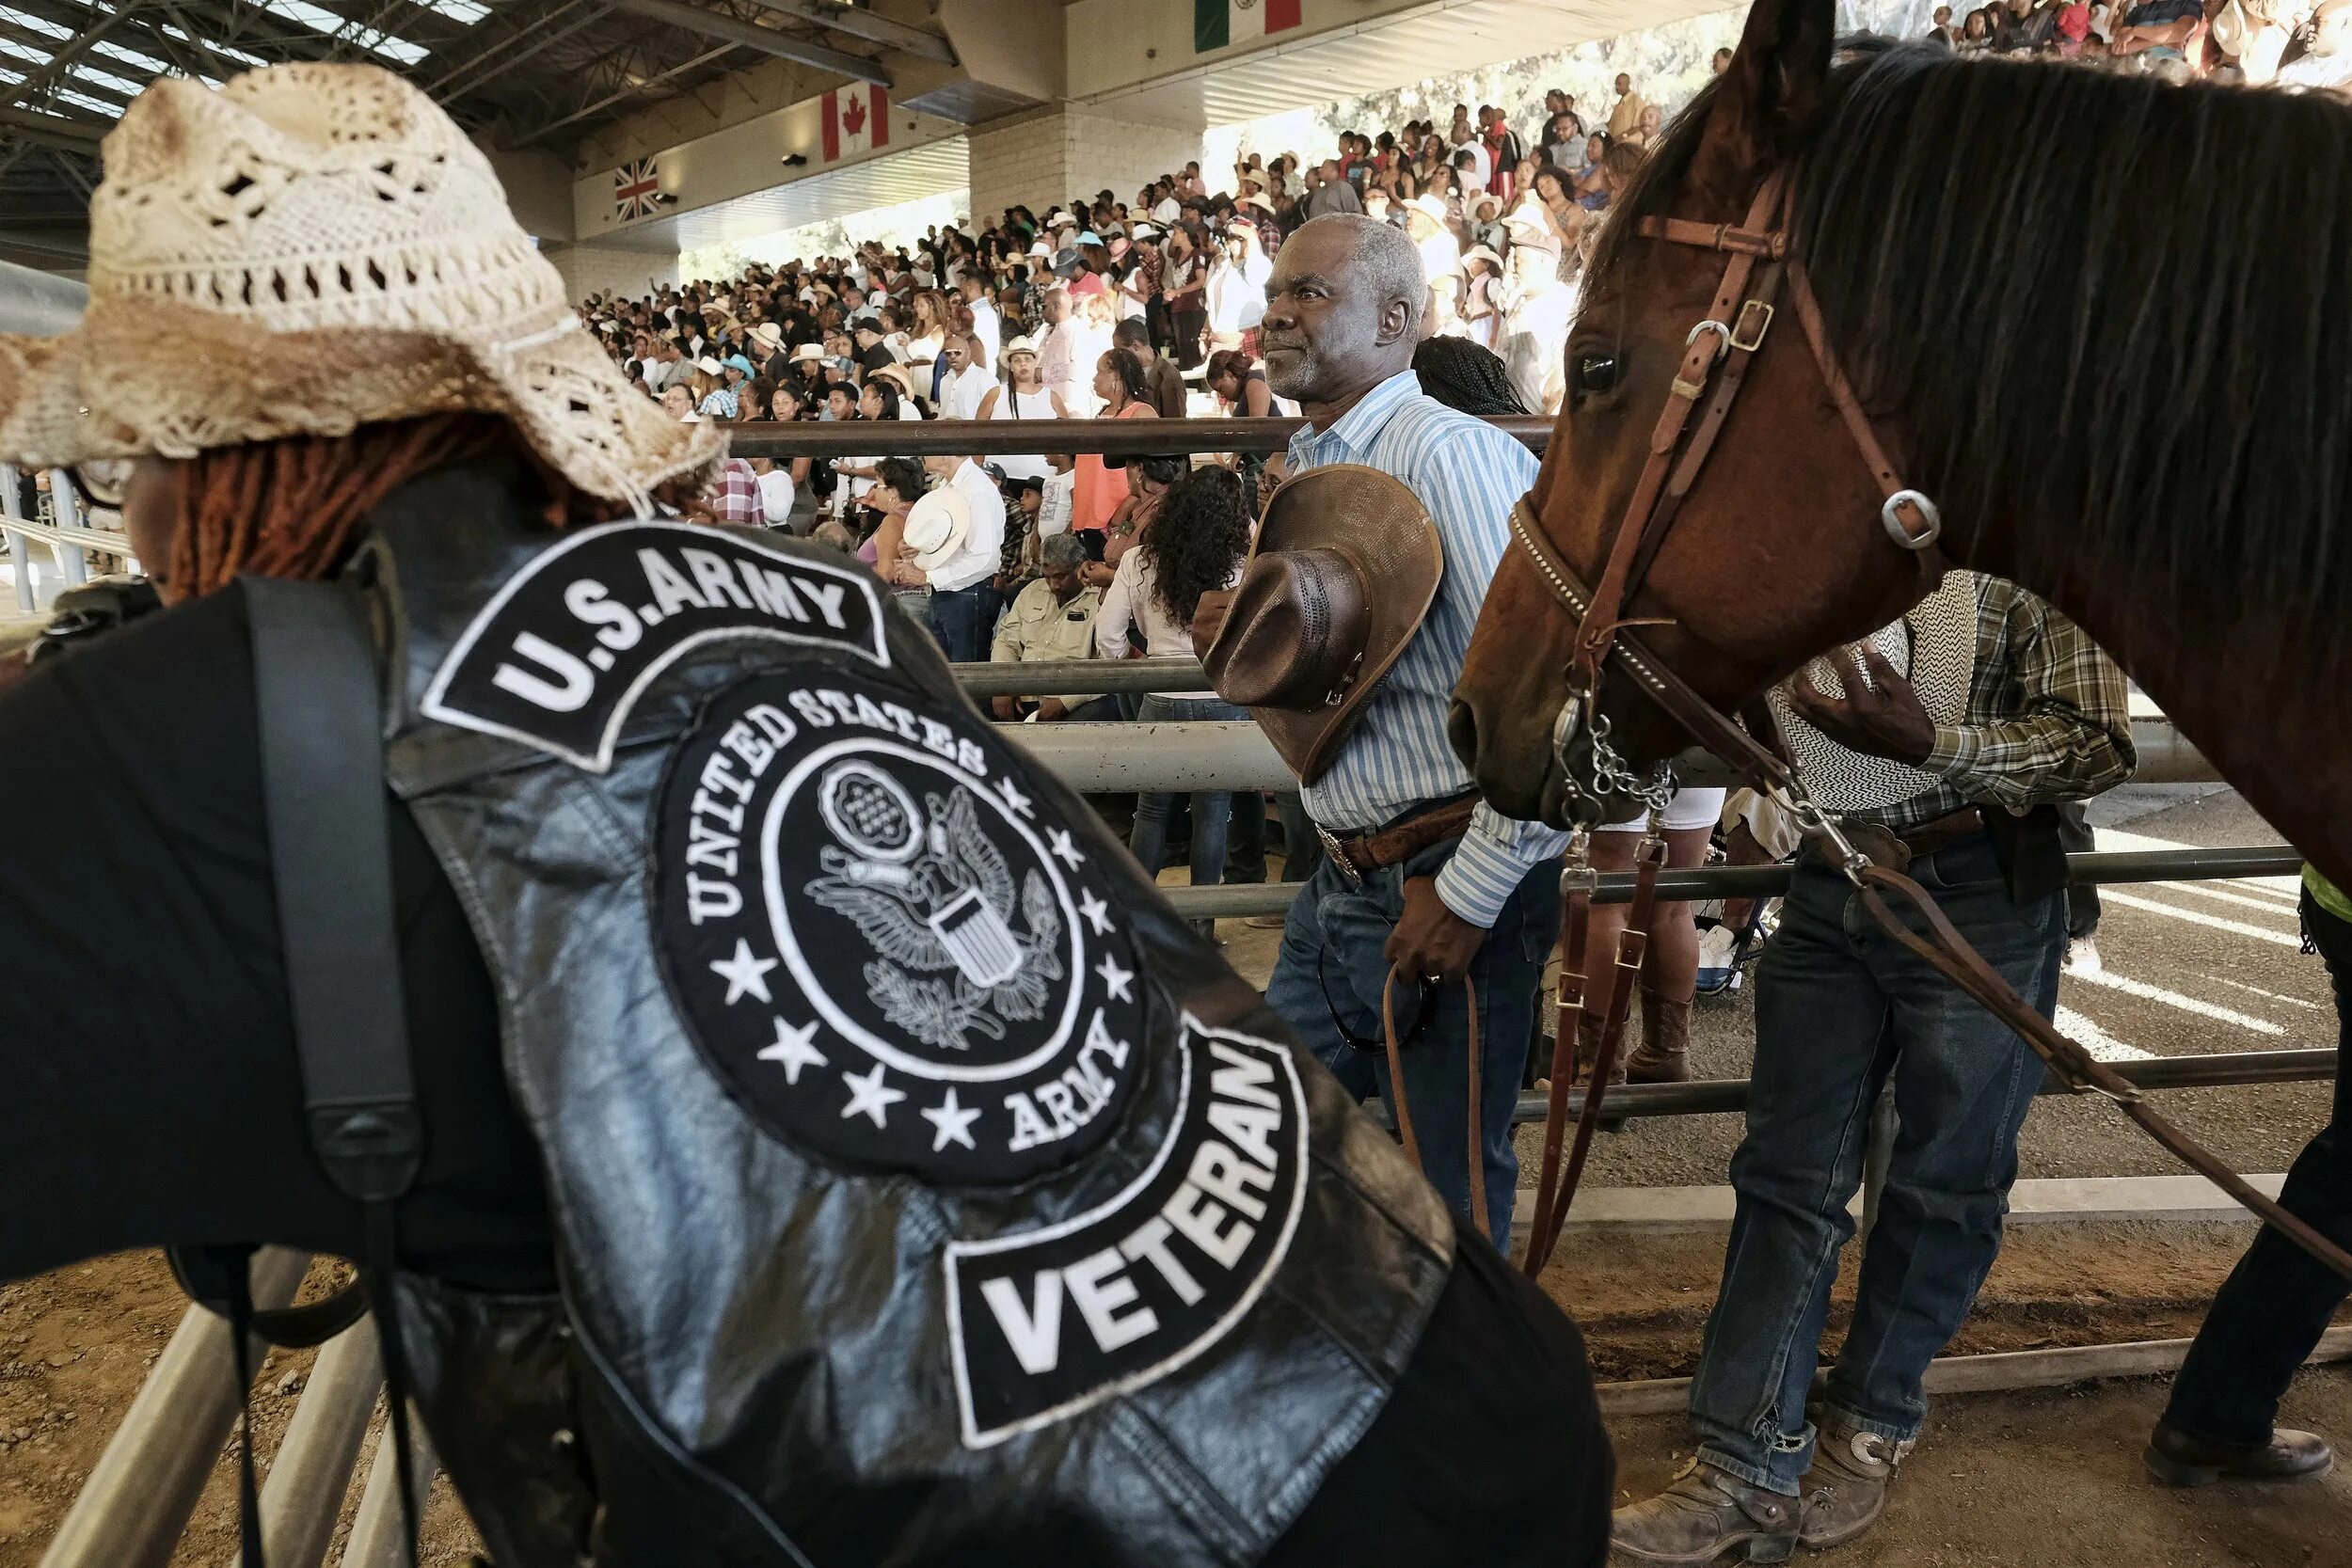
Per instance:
{"type": "Point", "coordinates": [1023, 396]}
{"type": "Point", "coordinates": [1196, 544]}
{"type": "Point", "coordinates": [1236, 289]}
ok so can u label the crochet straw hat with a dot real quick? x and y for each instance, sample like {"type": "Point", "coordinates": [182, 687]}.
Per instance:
{"type": "Point", "coordinates": [312, 249]}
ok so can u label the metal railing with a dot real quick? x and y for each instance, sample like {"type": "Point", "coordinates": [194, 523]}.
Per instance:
{"type": "Point", "coordinates": [66, 538]}
{"type": "Point", "coordinates": [990, 437]}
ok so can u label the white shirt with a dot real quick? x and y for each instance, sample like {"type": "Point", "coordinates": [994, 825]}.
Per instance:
{"type": "Point", "coordinates": [775, 495]}
{"type": "Point", "coordinates": [987, 326]}
{"type": "Point", "coordinates": [1066, 359]}
{"type": "Point", "coordinates": [1133, 598]}
{"type": "Point", "coordinates": [984, 545]}
{"type": "Point", "coordinates": [959, 393]}
{"type": "Point", "coordinates": [2316, 71]}
{"type": "Point", "coordinates": [1168, 212]}
{"type": "Point", "coordinates": [1053, 514]}
{"type": "Point", "coordinates": [1475, 147]}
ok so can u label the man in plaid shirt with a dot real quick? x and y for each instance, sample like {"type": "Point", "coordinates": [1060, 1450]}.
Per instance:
{"type": "Point", "coordinates": [734, 495]}
{"type": "Point", "coordinates": [1840, 1012]}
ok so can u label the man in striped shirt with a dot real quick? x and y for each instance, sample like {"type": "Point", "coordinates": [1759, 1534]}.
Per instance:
{"type": "Point", "coordinates": [1418, 879]}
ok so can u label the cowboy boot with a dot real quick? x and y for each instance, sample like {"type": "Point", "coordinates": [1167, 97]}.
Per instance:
{"type": "Point", "coordinates": [1665, 1054]}
{"type": "Point", "coordinates": [1844, 1491]}
{"type": "Point", "coordinates": [1704, 1513]}
{"type": "Point", "coordinates": [1588, 1027]}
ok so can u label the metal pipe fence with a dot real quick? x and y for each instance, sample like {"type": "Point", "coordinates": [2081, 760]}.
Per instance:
{"type": "Point", "coordinates": [989, 437]}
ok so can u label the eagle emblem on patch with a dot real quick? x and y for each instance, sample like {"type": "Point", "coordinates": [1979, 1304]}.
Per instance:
{"type": "Point", "coordinates": [893, 954]}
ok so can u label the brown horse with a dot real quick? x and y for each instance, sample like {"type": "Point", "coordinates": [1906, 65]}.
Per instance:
{"type": "Point", "coordinates": [2097, 318]}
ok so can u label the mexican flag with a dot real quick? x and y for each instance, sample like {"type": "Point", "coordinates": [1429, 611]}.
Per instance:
{"type": "Point", "coordinates": [857, 120]}
{"type": "Point", "coordinates": [1218, 23]}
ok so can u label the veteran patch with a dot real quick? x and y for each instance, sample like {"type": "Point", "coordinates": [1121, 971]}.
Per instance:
{"type": "Point", "coordinates": [891, 953]}
{"type": "Point", "coordinates": [1046, 1323]}
{"type": "Point", "coordinates": [560, 654]}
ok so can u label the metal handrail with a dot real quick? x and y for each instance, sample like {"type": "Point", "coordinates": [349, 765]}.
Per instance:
{"type": "Point", "coordinates": [839, 438]}
{"type": "Point", "coordinates": [1689, 884]}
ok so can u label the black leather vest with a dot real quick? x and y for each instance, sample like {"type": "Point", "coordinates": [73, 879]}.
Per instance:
{"type": "Point", "coordinates": [924, 1190]}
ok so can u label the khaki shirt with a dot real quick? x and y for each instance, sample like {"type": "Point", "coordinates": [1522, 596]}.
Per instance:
{"type": "Point", "coordinates": [1626, 118]}
{"type": "Point", "coordinates": [1040, 627]}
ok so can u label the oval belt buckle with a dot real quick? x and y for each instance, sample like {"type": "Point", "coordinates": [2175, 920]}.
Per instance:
{"type": "Point", "coordinates": [1890, 515]}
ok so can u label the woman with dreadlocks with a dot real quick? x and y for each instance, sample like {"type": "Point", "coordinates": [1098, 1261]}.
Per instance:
{"type": "Point", "coordinates": [497, 880]}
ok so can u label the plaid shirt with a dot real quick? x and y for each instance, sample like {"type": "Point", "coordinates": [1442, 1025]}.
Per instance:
{"type": "Point", "coordinates": [735, 496]}
{"type": "Point", "coordinates": [2048, 717]}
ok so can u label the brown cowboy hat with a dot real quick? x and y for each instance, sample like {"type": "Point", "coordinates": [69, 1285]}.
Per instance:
{"type": "Point", "coordinates": [1345, 567]}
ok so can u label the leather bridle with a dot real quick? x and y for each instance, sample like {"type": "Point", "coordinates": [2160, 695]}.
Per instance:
{"type": "Point", "coordinates": [1716, 358]}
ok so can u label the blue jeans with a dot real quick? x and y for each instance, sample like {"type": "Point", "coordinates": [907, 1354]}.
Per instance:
{"type": "Point", "coordinates": [962, 624]}
{"type": "Point", "coordinates": [1212, 809]}
{"type": "Point", "coordinates": [1839, 1010]}
{"type": "Point", "coordinates": [1327, 986]}
{"type": "Point", "coordinates": [2278, 1301]}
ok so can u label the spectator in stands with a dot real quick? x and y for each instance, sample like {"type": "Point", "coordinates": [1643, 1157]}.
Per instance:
{"type": "Point", "coordinates": [1563, 128]}
{"type": "Point", "coordinates": [1331, 193]}
{"type": "Point", "coordinates": [1238, 378]}
{"type": "Point", "coordinates": [776, 492]}
{"type": "Point", "coordinates": [1429, 225]}
{"type": "Point", "coordinates": [1164, 383]}
{"type": "Point", "coordinates": [1051, 620]}
{"type": "Point", "coordinates": [1504, 151]}
{"type": "Point", "coordinates": [1067, 354]}
{"type": "Point", "coordinates": [2326, 62]}
{"type": "Point", "coordinates": [1196, 545]}
{"type": "Point", "coordinates": [962, 610]}
{"type": "Point", "coordinates": [963, 384]}
{"type": "Point", "coordinates": [1121, 394]}
{"type": "Point", "coordinates": [1625, 117]}
{"type": "Point", "coordinates": [1537, 307]}
{"type": "Point", "coordinates": [1185, 286]}
{"type": "Point", "coordinates": [1721, 63]}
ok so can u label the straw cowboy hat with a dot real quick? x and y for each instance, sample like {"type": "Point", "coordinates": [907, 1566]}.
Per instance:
{"type": "Point", "coordinates": [1345, 567]}
{"type": "Point", "coordinates": [309, 249]}
{"type": "Point", "coordinates": [937, 525]}
{"type": "Point", "coordinates": [1023, 344]}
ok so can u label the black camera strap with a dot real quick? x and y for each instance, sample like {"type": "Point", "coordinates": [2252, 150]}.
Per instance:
{"type": "Point", "coordinates": [330, 857]}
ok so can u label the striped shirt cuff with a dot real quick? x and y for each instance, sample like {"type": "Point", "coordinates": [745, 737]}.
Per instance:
{"type": "Point", "coordinates": [1492, 860]}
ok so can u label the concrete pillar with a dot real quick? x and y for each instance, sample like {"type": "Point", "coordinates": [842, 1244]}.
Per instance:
{"type": "Point", "coordinates": [1043, 157]}
{"type": "Point", "coordinates": [610, 269]}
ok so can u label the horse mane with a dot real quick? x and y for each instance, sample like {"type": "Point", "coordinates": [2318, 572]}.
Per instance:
{"type": "Point", "coordinates": [2097, 313]}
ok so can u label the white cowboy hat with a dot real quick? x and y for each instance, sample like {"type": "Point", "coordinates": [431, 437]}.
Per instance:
{"type": "Point", "coordinates": [1431, 207]}
{"type": "Point", "coordinates": [708, 366]}
{"type": "Point", "coordinates": [807, 354]}
{"type": "Point", "coordinates": [937, 525]}
{"type": "Point", "coordinates": [309, 249]}
{"type": "Point", "coordinates": [1257, 198]}
{"type": "Point", "coordinates": [1483, 253]}
{"type": "Point", "coordinates": [770, 334]}
{"type": "Point", "coordinates": [1023, 344]}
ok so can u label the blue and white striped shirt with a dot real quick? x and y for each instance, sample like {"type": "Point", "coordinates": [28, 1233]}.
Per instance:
{"type": "Point", "coordinates": [1469, 474]}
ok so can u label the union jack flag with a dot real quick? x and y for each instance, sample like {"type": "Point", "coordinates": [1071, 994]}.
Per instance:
{"type": "Point", "coordinates": [636, 189]}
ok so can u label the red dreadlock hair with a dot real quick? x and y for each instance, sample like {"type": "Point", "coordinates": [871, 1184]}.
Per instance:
{"type": "Point", "coordinates": [295, 508]}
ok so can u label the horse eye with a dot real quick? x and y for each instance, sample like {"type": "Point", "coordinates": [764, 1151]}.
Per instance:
{"type": "Point", "coordinates": [1594, 373]}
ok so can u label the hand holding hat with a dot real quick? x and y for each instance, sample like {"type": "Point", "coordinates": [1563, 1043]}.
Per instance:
{"type": "Point", "coordinates": [1345, 570]}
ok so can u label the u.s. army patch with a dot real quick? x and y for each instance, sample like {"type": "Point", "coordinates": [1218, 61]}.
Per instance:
{"type": "Point", "coordinates": [1048, 1322]}
{"type": "Point", "coordinates": [562, 653]}
{"type": "Point", "coordinates": [894, 956]}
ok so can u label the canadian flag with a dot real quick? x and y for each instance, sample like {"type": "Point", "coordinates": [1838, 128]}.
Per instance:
{"type": "Point", "coordinates": [857, 120]}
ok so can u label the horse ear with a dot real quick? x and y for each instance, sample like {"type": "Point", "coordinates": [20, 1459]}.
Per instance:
{"type": "Point", "coordinates": [1769, 94]}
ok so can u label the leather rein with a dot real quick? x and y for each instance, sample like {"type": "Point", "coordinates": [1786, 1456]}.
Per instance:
{"type": "Point", "coordinates": [1716, 358]}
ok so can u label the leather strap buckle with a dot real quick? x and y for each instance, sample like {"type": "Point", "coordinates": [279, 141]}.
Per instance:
{"type": "Point", "coordinates": [1747, 333]}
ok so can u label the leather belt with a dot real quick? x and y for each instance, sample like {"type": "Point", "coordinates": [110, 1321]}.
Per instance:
{"type": "Point", "coordinates": [1359, 855]}
{"type": "Point", "coordinates": [1896, 852]}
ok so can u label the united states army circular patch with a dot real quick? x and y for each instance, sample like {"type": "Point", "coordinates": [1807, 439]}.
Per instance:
{"type": "Point", "coordinates": [893, 954]}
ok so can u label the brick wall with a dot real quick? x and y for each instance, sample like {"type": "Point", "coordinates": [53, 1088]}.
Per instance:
{"type": "Point", "coordinates": [1043, 158]}
{"type": "Point", "coordinates": [608, 269]}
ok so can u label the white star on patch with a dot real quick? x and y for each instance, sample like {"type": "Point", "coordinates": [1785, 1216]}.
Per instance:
{"type": "Point", "coordinates": [869, 1096]}
{"type": "Point", "coordinates": [745, 975]}
{"type": "Point", "coordinates": [1098, 913]}
{"type": "Point", "coordinates": [1116, 977]}
{"type": "Point", "coordinates": [794, 1047]}
{"type": "Point", "coordinates": [954, 1122]}
{"type": "Point", "coordinates": [1066, 848]}
{"type": "Point", "coordinates": [1013, 797]}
